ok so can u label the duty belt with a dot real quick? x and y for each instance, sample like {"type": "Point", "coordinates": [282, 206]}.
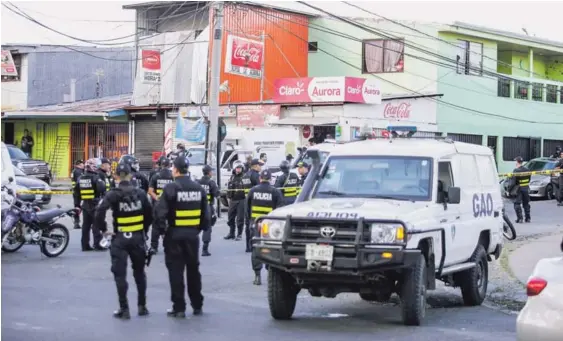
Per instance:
{"type": "Point", "coordinates": [130, 224]}
{"type": "Point", "coordinates": [193, 215]}
{"type": "Point", "coordinates": [258, 211]}
{"type": "Point", "coordinates": [86, 194]}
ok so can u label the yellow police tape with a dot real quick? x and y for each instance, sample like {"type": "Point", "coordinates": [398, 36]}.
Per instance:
{"type": "Point", "coordinates": [547, 172]}
{"type": "Point", "coordinates": [44, 192]}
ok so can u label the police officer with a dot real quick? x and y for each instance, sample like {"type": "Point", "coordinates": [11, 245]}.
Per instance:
{"type": "Point", "coordinates": [157, 168]}
{"type": "Point", "coordinates": [76, 173]}
{"type": "Point", "coordinates": [180, 151]}
{"type": "Point", "coordinates": [262, 199]}
{"type": "Point", "coordinates": [137, 178]}
{"type": "Point", "coordinates": [158, 182]}
{"type": "Point", "coordinates": [559, 166]}
{"type": "Point", "coordinates": [132, 216]}
{"type": "Point", "coordinates": [303, 171]}
{"type": "Point", "coordinates": [236, 194]}
{"type": "Point", "coordinates": [184, 205]}
{"type": "Point", "coordinates": [521, 187]}
{"type": "Point", "coordinates": [90, 189]}
{"type": "Point", "coordinates": [105, 174]}
{"type": "Point", "coordinates": [212, 191]}
{"type": "Point", "coordinates": [249, 180]}
{"type": "Point", "coordinates": [288, 183]}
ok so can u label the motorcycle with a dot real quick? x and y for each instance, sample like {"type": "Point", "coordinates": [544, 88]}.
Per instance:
{"type": "Point", "coordinates": [23, 223]}
{"type": "Point", "coordinates": [508, 229]}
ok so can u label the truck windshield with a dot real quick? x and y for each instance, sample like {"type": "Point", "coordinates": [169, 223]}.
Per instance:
{"type": "Point", "coordinates": [391, 177]}
{"type": "Point", "coordinates": [17, 154]}
{"type": "Point", "coordinates": [196, 156]}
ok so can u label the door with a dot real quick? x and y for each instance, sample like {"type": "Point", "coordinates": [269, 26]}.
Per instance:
{"type": "Point", "coordinates": [8, 135]}
{"type": "Point", "coordinates": [149, 138]}
{"type": "Point", "coordinates": [448, 218]}
{"type": "Point", "coordinates": [535, 147]}
{"type": "Point", "coordinates": [78, 141]}
{"type": "Point", "coordinates": [492, 143]}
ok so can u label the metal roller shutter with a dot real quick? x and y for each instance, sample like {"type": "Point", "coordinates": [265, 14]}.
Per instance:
{"type": "Point", "coordinates": [149, 138]}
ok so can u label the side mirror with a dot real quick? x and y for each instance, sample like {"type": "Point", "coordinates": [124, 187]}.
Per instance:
{"type": "Point", "coordinates": [454, 195]}
{"type": "Point", "coordinates": [10, 179]}
{"type": "Point", "coordinates": [10, 192]}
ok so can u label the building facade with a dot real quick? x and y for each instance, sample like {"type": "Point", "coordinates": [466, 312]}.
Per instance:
{"type": "Point", "coordinates": [498, 88]}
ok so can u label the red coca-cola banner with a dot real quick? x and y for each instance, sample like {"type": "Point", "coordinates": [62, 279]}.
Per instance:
{"type": "Point", "coordinates": [244, 57]}
{"type": "Point", "coordinates": [327, 89]}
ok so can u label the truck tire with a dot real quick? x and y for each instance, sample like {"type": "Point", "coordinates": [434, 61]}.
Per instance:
{"type": "Point", "coordinates": [282, 294]}
{"type": "Point", "coordinates": [413, 293]}
{"type": "Point", "coordinates": [474, 282]}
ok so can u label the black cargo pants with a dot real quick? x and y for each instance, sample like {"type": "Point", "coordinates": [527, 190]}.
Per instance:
{"type": "Point", "coordinates": [236, 216]}
{"type": "Point", "coordinates": [522, 200]}
{"type": "Point", "coordinates": [182, 256]}
{"type": "Point", "coordinates": [560, 191]}
{"type": "Point", "coordinates": [123, 246]}
{"type": "Point", "coordinates": [88, 210]}
{"type": "Point", "coordinates": [256, 264]}
{"type": "Point", "coordinates": [206, 235]}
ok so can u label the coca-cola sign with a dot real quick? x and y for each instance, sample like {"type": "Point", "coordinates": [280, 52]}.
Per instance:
{"type": "Point", "coordinates": [397, 110]}
{"type": "Point", "coordinates": [326, 89]}
{"type": "Point", "coordinates": [244, 57]}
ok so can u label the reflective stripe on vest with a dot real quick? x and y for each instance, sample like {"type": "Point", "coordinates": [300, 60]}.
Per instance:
{"type": "Point", "coordinates": [209, 198]}
{"type": "Point", "coordinates": [524, 182]}
{"type": "Point", "coordinates": [86, 194]}
{"type": "Point", "coordinates": [258, 211]}
{"type": "Point", "coordinates": [290, 191]}
{"type": "Point", "coordinates": [130, 224]}
{"type": "Point", "coordinates": [193, 214]}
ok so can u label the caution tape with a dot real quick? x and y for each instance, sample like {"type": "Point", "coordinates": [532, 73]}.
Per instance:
{"type": "Point", "coordinates": [547, 172]}
{"type": "Point", "coordinates": [44, 192]}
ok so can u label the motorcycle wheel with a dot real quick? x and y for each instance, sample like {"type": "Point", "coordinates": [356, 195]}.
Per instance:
{"type": "Point", "coordinates": [59, 232]}
{"type": "Point", "coordinates": [508, 229]}
{"type": "Point", "coordinates": [11, 247]}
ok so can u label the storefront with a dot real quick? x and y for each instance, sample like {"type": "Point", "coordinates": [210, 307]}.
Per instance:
{"type": "Point", "coordinates": [318, 122]}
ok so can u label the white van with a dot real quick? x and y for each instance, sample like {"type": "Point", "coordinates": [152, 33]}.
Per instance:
{"type": "Point", "coordinates": [388, 216]}
{"type": "Point", "coordinates": [7, 170]}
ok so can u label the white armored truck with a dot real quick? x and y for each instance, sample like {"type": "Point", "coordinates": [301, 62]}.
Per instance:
{"type": "Point", "coordinates": [387, 216]}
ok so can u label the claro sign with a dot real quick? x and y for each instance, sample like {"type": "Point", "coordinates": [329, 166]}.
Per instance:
{"type": "Point", "coordinates": [327, 89]}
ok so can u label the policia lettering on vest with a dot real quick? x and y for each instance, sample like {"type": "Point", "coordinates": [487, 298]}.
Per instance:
{"type": "Point", "coordinates": [182, 213]}
{"type": "Point", "coordinates": [213, 193]}
{"type": "Point", "coordinates": [261, 200]}
{"type": "Point", "coordinates": [157, 183]}
{"type": "Point", "coordinates": [132, 216]}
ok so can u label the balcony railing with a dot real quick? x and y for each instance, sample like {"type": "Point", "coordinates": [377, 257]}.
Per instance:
{"type": "Point", "coordinates": [532, 89]}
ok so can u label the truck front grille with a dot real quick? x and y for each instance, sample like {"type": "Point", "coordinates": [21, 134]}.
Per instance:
{"type": "Point", "coordinates": [35, 169]}
{"type": "Point", "coordinates": [311, 231]}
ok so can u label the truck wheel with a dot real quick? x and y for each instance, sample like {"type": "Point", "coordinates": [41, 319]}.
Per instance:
{"type": "Point", "coordinates": [282, 294]}
{"type": "Point", "coordinates": [413, 293]}
{"type": "Point", "coordinates": [473, 282]}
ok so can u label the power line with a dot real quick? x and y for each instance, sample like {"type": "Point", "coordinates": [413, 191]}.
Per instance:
{"type": "Point", "coordinates": [455, 106]}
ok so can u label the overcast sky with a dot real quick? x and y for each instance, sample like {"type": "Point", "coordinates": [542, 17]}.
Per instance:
{"type": "Point", "coordinates": [94, 19]}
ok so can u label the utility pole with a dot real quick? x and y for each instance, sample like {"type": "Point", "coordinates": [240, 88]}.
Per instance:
{"type": "Point", "coordinates": [213, 141]}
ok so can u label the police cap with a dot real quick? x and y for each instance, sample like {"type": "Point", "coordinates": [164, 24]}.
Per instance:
{"type": "Point", "coordinates": [255, 162]}
{"type": "Point", "coordinates": [105, 160]}
{"type": "Point", "coordinates": [123, 169]}
{"type": "Point", "coordinates": [181, 163]}
{"type": "Point", "coordinates": [78, 162]}
{"type": "Point", "coordinates": [265, 175]}
{"type": "Point", "coordinates": [519, 159]}
{"type": "Point", "coordinates": [207, 169]}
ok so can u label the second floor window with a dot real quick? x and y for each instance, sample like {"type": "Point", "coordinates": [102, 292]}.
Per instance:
{"type": "Point", "coordinates": [469, 58]}
{"type": "Point", "coordinates": [380, 56]}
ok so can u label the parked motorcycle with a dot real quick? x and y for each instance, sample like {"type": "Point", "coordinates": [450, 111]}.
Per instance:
{"type": "Point", "coordinates": [509, 231]}
{"type": "Point", "coordinates": [23, 223]}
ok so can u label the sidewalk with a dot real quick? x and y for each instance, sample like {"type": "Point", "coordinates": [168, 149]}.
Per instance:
{"type": "Point", "coordinates": [523, 260]}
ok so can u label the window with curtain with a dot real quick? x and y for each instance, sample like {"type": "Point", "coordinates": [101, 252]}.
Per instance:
{"type": "Point", "coordinates": [383, 55]}
{"type": "Point", "coordinates": [469, 57]}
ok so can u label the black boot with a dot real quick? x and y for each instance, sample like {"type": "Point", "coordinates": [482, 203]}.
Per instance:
{"type": "Point", "coordinates": [239, 237]}
{"type": "Point", "coordinates": [528, 220]}
{"type": "Point", "coordinates": [229, 236]}
{"type": "Point", "coordinates": [177, 314]}
{"type": "Point", "coordinates": [205, 250]}
{"type": "Point", "coordinates": [257, 279]}
{"type": "Point", "coordinates": [519, 221]}
{"type": "Point", "coordinates": [143, 311]}
{"type": "Point", "coordinates": [198, 311]}
{"type": "Point", "coordinates": [87, 248]}
{"type": "Point", "coordinates": [122, 313]}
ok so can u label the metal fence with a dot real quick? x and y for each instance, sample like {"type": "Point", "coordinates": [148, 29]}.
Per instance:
{"type": "Point", "coordinates": [96, 140]}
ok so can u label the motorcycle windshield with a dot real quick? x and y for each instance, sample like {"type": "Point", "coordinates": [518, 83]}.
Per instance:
{"type": "Point", "coordinates": [9, 221]}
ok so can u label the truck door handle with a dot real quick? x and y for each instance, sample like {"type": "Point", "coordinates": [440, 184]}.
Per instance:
{"type": "Point", "coordinates": [497, 214]}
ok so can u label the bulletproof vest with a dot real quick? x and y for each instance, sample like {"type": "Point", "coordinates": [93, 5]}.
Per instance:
{"type": "Point", "coordinates": [262, 201]}
{"type": "Point", "coordinates": [186, 209]}
{"type": "Point", "coordinates": [163, 179]}
{"type": "Point", "coordinates": [128, 215]}
{"type": "Point", "coordinates": [87, 187]}
{"type": "Point", "coordinates": [246, 182]}
{"type": "Point", "coordinates": [523, 181]}
{"type": "Point", "coordinates": [76, 173]}
{"type": "Point", "coordinates": [105, 177]}
{"type": "Point", "coordinates": [204, 182]}
{"type": "Point", "coordinates": [290, 185]}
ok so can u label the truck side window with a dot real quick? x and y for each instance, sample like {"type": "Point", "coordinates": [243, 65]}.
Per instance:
{"type": "Point", "coordinates": [445, 180]}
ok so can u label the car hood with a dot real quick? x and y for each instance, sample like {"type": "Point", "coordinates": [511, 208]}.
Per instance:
{"type": "Point", "coordinates": [366, 208]}
{"type": "Point", "coordinates": [29, 182]}
{"type": "Point", "coordinates": [26, 161]}
{"type": "Point", "coordinates": [539, 177]}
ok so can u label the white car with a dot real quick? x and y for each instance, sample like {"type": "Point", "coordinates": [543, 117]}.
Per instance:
{"type": "Point", "coordinates": [384, 217]}
{"type": "Point", "coordinates": [542, 316]}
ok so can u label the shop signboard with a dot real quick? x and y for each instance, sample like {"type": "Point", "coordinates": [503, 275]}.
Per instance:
{"type": "Point", "coordinates": [8, 65]}
{"type": "Point", "coordinates": [327, 90]}
{"type": "Point", "coordinates": [150, 66]}
{"type": "Point", "coordinates": [255, 116]}
{"type": "Point", "coordinates": [244, 57]}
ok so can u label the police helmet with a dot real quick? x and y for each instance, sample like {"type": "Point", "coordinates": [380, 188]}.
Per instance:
{"type": "Point", "coordinates": [284, 166]}
{"type": "Point", "coordinates": [164, 162]}
{"type": "Point", "coordinates": [123, 169]}
{"type": "Point", "coordinates": [207, 170]}
{"type": "Point", "coordinates": [181, 164]}
{"type": "Point", "coordinates": [238, 164]}
{"type": "Point", "coordinates": [91, 165]}
{"type": "Point", "coordinates": [131, 160]}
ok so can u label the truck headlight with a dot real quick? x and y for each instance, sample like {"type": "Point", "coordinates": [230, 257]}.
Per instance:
{"type": "Point", "coordinates": [49, 167]}
{"type": "Point", "coordinates": [272, 229]}
{"type": "Point", "coordinates": [387, 233]}
{"type": "Point", "coordinates": [19, 165]}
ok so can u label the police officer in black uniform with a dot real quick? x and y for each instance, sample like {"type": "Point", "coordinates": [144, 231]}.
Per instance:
{"type": "Point", "coordinates": [105, 174]}
{"type": "Point", "coordinates": [288, 183]}
{"type": "Point", "coordinates": [236, 195]}
{"type": "Point", "coordinates": [261, 200]}
{"type": "Point", "coordinates": [559, 166]}
{"type": "Point", "coordinates": [90, 189]}
{"type": "Point", "coordinates": [522, 191]}
{"type": "Point", "coordinates": [212, 191]}
{"type": "Point", "coordinates": [137, 179]}
{"type": "Point", "coordinates": [158, 182]}
{"type": "Point", "coordinates": [184, 205]}
{"type": "Point", "coordinates": [157, 169]}
{"type": "Point", "coordinates": [251, 179]}
{"type": "Point", "coordinates": [180, 151]}
{"type": "Point", "coordinates": [75, 175]}
{"type": "Point", "coordinates": [132, 216]}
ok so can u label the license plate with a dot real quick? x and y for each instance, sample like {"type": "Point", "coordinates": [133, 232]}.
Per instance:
{"type": "Point", "coordinates": [38, 197]}
{"type": "Point", "coordinates": [316, 252]}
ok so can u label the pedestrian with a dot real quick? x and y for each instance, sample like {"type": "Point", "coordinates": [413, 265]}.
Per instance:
{"type": "Point", "coordinates": [184, 205]}
{"type": "Point", "coordinates": [75, 175]}
{"type": "Point", "coordinates": [27, 143]}
{"type": "Point", "coordinates": [262, 199]}
{"type": "Point", "coordinates": [212, 191]}
{"type": "Point", "coordinates": [236, 195]}
{"type": "Point", "coordinates": [90, 189]}
{"type": "Point", "coordinates": [105, 173]}
{"type": "Point", "coordinates": [249, 180]}
{"type": "Point", "coordinates": [132, 216]}
{"type": "Point", "coordinates": [521, 188]}
{"type": "Point", "coordinates": [559, 182]}
{"type": "Point", "coordinates": [180, 151]}
{"type": "Point", "coordinates": [264, 159]}
{"type": "Point", "coordinates": [156, 187]}
{"type": "Point", "coordinates": [288, 183]}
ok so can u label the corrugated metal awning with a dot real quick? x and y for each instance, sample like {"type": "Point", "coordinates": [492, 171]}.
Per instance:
{"type": "Point", "coordinates": [307, 121]}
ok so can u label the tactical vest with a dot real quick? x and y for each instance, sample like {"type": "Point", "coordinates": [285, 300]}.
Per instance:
{"type": "Point", "coordinates": [205, 184]}
{"type": "Point", "coordinates": [161, 181]}
{"type": "Point", "coordinates": [108, 184]}
{"type": "Point", "coordinates": [128, 216]}
{"type": "Point", "coordinates": [247, 183]}
{"type": "Point", "coordinates": [186, 211]}
{"type": "Point", "coordinates": [262, 202]}
{"type": "Point", "coordinates": [87, 187]}
{"type": "Point", "coordinates": [524, 181]}
{"type": "Point", "coordinates": [291, 186]}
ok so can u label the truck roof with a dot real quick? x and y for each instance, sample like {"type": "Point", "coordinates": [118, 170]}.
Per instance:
{"type": "Point", "coordinates": [409, 147]}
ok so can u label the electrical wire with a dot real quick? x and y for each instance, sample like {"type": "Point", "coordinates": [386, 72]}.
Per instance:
{"type": "Point", "coordinates": [455, 106]}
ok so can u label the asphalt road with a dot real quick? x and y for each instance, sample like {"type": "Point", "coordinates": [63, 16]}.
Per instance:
{"type": "Point", "coordinates": [72, 298]}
